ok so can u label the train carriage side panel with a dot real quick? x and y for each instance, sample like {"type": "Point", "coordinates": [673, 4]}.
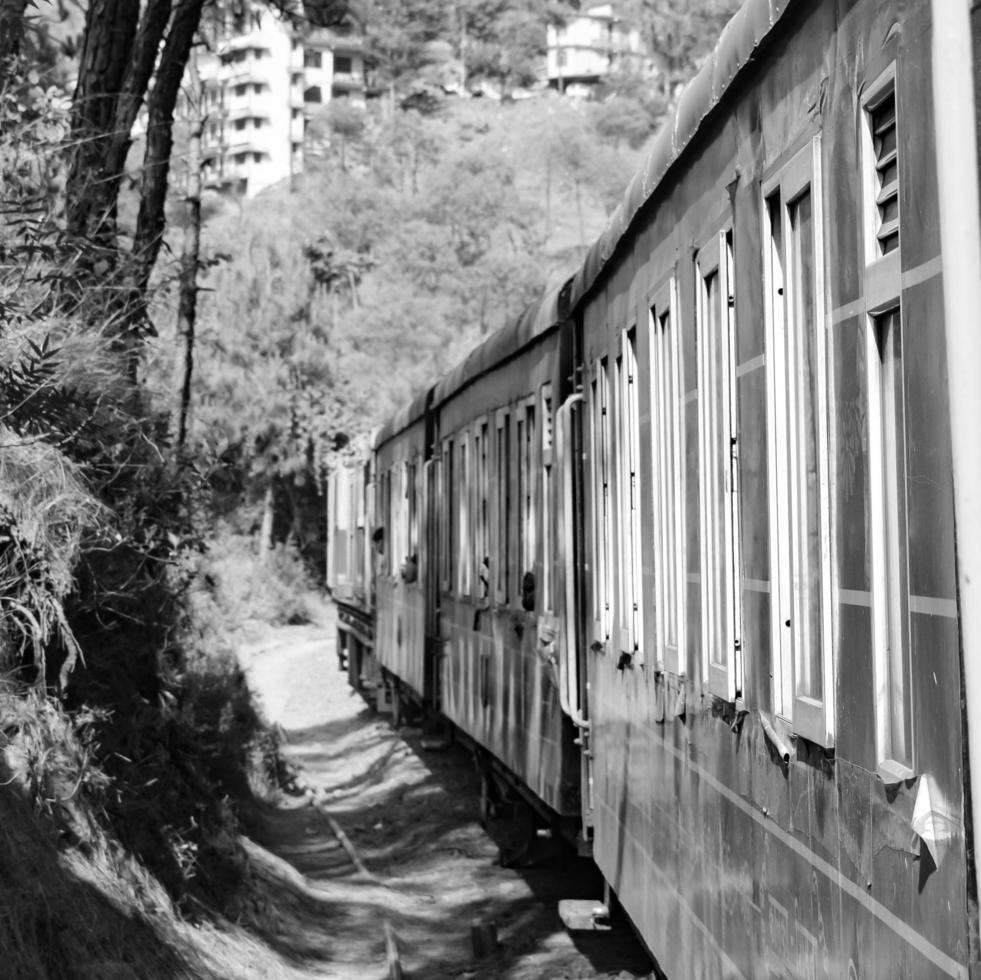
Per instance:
{"type": "Point", "coordinates": [348, 563]}
{"type": "Point", "coordinates": [400, 502]}
{"type": "Point", "coordinates": [499, 680]}
{"type": "Point", "coordinates": [756, 772]}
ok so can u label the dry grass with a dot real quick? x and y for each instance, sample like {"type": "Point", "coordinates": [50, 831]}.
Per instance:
{"type": "Point", "coordinates": [74, 903]}
{"type": "Point", "coordinates": [69, 914]}
{"type": "Point", "coordinates": [45, 508]}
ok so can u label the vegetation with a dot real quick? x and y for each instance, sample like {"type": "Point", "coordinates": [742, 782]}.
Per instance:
{"type": "Point", "coordinates": [329, 305]}
{"type": "Point", "coordinates": [129, 554]}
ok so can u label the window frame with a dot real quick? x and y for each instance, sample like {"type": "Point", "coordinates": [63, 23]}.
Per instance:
{"type": "Point", "coordinates": [628, 503]}
{"type": "Point", "coordinates": [481, 504]}
{"type": "Point", "coordinates": [396, 475]}
{"type": "Point", "coordinates": [446, 516]}
{"type": "Point", "coordinates": [526, 470]}
{"type": "Point", "coordinates": [547, 436]}
{"type": "Point", "coordinates": [412, 511]}
{"type": "Point", "coordinates": [810, 717]}
{"type": "Point", "coordinates": [889, 587]}
{"type": "Point", "coordinates": [720, 559]}
{"type": "Point", "coordinates": [601, 516]}
{"type": "Point", "coordinates": [888, 478]}
{"type": "Point", "coordinates": [462, 550]}
{"type": "Point", "coordinates": [503, 452]}
{"type": "Point", "coordinates": [668, 482]}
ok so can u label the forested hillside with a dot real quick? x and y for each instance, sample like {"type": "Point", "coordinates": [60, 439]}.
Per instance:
{"type": "Point", "coordinates": [132, 547]}
{"type": "Point", "coordinates": [423, 221]}
{"type": "Point", "coordinates": [413, 236]}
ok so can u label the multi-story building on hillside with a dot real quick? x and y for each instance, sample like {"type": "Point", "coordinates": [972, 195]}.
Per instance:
{"type": "Point", "coordinates": [592, 45]}
{"type": "Point", "coordinates": [260, 87]}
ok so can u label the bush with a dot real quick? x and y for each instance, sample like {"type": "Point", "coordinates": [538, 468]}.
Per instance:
{"type": "Point", "coordinates": [245, 587]}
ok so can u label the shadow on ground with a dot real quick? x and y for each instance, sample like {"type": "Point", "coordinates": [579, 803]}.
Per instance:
{"type": "Point", "coordinates": [412, 814]}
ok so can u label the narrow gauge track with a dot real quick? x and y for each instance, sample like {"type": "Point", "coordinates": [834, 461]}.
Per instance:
{"type": "Point", "coordinates": [393, 960]}
{"type": "Point", "coordinates": [408, 807]}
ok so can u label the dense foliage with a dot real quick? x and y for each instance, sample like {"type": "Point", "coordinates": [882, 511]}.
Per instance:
{"type": "Point", "coordinates": [330, 305]}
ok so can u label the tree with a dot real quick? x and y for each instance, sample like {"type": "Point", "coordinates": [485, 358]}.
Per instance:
{"type": "Point", "coordinates": [399, 33]}
{"type": "Point", "coordinates": [11, 32]}
{"type": "Point", "coordinates": [680, 33]}
{"type": "Point", "coordinates": [123, 52]}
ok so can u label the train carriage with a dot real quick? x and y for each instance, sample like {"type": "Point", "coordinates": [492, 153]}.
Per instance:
{"type": "Point", "coordinates": [685, 552]}
{"type": "Point", "coordinates": [350, 569]}
{"type": "Point", "coordinates": [773, 668]}
{"type": "Point", "coordinates": [400, 540]}
{"type": "Point", "coordinates": [500, 590]}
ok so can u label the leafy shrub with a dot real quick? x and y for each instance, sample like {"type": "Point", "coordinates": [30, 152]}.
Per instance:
{"type": "Point", "coordinates": [247, 586]}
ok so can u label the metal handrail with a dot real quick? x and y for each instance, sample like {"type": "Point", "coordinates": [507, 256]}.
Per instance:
{"type": "Point", "coordinates": [569, 692]}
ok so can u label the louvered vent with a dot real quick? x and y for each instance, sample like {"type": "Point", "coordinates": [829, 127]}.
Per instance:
{"type": "Point", "coordinates": [883, 122]}
{"type": "Point", "coordinates": [547, 419]}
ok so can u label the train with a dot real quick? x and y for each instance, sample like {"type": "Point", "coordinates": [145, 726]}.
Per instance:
{"type": "Point", "coordinates": [687, 550]}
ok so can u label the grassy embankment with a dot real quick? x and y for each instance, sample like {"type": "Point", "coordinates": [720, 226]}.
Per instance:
{"type": "Point", "coordinates": [119, 829]}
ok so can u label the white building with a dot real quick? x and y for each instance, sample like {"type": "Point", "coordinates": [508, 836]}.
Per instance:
{"type": "Point", "coordinates": [592, 45]}
{"type": "Point", "coordinates": [259, 88]}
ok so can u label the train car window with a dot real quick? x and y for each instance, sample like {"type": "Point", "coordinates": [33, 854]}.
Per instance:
{"type": "Point", "coordinates": [628, 426]}
{"type": "Point", "coordinates": [332, 538]}
{"type": "Point", "coordinates": [668, 473]}
{"type": "Point", "coordinates": [368, 497]}
{"type": "Point", "coordinates": [412, 551]}
{"type": "Point", "coordinates": [521, 474]}
{"type": "Point", "coordinates": [718, 469]}
{"type": "Point", "coordinates": [446, 515]}
{"type": "Point", "coordinates": [404, 547]}
{"type": "Point", "coordinates": [337, 493]}
{"type": "Point", "coordinates": [527, 465]}
{"type": "Point", "coordinates": [358, 509]}
{"type": "Point", "coordinates": [890, 607]}
{"type": "Point", "coordinates": [888, 472]}
{"type": "Point", "coordinates": [504, 515]}
{"type": "Point", "coordinates": [385, 512]}
{"type": "Point", "coordinates": [392, 542]}
{"type": "Point", "coordinates": [602, 517]}
{"type": "Point", "coordinates": [481, 515]}
{"type": "Point", "coordinates": [547, 601]}
{"type": "Point", "coordinates": [799, 506]}
{"type": "Point", "coordinates": [464, 564]}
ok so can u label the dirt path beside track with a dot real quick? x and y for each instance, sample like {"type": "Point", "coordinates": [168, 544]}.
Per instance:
{"type": "Point", "coordinates": [410, 816]}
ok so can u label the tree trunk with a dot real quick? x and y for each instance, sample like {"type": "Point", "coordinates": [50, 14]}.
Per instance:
{"type": "Point", "coordinates": [151, 221]}
{"type": "Point", "coordinates": [11, 32]}
{"type": "Point", "coordinates": [188, 295]}
{"type": "Point", "coordinates": [134, 87]}
{"type": "Point", "coordinates": [118, 61]}
{"type": "Point", "coordinates": [266, 530]}
{"type": "Point", "coordinates": [110, 29]}
{"type": "Point", "coordinates": [297, 533]}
